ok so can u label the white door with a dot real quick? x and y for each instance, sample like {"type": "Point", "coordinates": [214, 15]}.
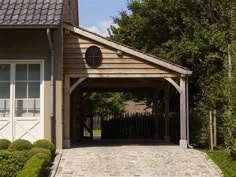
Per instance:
{"type": "Point", "coordinates": [21, 116]}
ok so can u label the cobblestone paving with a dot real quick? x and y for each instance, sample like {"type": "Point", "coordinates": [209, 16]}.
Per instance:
{"type": "Point", "coordinates": [145, 161]}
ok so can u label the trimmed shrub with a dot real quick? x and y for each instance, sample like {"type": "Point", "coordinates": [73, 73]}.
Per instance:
{"type": "Point", "coordinates": [21, 157]}
{"type": "Point", "coordinates": [9, 165]}
{"type": "Point", "coordinates": [33, 168]}
{"type": "Point", "coordinates": [4, 144]}
{"type": "Point", "coordinates": [36, 150]}
{"type": "Point", "coordinates": [45, 144]}
{"type": "Point", "coordinates": [45, 157]}
{"type": "Point", "coordinates": [20, 145]}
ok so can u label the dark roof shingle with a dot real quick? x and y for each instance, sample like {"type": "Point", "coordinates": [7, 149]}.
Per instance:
{"type": "Point", "coordinates": [30, 12]}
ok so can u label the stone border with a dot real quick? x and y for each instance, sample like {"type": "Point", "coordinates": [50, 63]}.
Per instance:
{"type": "Point", "coordinates": [56, 163]}
{"type": "Point", "coordinates": [211, 162]}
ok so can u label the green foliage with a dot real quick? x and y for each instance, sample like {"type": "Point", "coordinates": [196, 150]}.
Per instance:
{"type": "Point", "coordinates": [20, 145]}
{"type": "Point", "coordinates": [33, 168]}
{"type": "Point", "coordinates": [230, 107]}
{"type": "Point", "coordinates": [194, 34]}
{"type": "Point", "coordinates": [46, 145]}
{"type": "Point", "coordinates": [37, 150]}
{"type": "Point", "coordinates": [104, 103]}
{"type": "Point", "coordinates": [21, 157]}
{"type": "Point", "coordinates": [45, 157]}
{"type": "Point", "coordinates": [224, 161]}
{"type": "Point", "coordinates": [10, 165]}
{"type": "Point", "coordinates": [4, 144]}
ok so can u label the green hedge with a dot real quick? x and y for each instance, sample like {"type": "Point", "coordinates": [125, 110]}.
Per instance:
{"type": "Point", "coordinates": [46, 145]}
{"type": "Point", "coordinates": [10, 165]}
{"type": "Point", "coordinates": [4, 144]}
{"type": "Point", "coordinates": [20, 145]}
{"type": "Point", "coordinates": [34, 167]}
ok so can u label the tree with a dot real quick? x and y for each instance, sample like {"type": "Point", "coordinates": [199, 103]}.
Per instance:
{"type": "Point", "coordinates": [193, 33]}
{"type": "Point", "coordinates": [104, 103]}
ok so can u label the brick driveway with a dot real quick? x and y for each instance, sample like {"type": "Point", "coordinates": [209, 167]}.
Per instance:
{"type": "Point", "coordinates": [165, 161]}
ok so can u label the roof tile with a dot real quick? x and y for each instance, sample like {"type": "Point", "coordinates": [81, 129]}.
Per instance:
{"type": "Point", "coordinates": [31, 12]}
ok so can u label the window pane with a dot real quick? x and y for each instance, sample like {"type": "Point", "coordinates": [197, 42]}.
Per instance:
{"type": "Point", "coordinates": [21, 108]}
{"type": "Point", "coordinates": [21, 72]}
{"type": "Point", "coordinates": [34, 90]}
{"type": "Point", "coordinates": [4, 72]}
{"type": "Point", "coordinates": [4, 90]}
{"type": "Point", "coordinates": [5, 108]}
{"type": "Point", "coordinates": [34, 108]}
{"type": "Point", "coordinates": [21, 89]}
{"type": "Point", "coordinates": [34, 72]}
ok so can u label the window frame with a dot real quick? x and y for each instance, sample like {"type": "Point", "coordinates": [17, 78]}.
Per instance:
{"type": "Point", "coordinates": [12, 117]}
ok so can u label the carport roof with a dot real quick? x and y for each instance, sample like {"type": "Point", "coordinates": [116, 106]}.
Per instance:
{"type": "Point", "coordinates": [126, 49]}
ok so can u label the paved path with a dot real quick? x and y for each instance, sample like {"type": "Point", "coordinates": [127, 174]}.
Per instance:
{"type": "Point", "coordinates": [145, 161]}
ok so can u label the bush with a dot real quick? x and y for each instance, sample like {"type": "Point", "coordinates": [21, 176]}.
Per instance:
{"type": "Point", "coordinates": [46, 145]}
{"type": "Point", "coordinates": [233, 151]}
{"type": "Point", "coordinates": [9, 164]}
{"type": "Point", "coordinates": [36, 150]}
{"type": "Point", "coordinates": [45, 157]}
{"type": "Point", "coordinates": [4, 144]}
{"type": "Point", "coordinates": [21, 157]}
{"type": "Point", "coordinates": [20, 145]}
{"type": "Point", "coordinates": [33, 168]}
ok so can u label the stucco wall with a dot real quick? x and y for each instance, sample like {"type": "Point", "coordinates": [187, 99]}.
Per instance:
{"type": "Point", "coordinates": [33, 45]}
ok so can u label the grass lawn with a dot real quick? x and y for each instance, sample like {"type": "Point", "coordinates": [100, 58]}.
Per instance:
{"type": "Point", "coordinates": [96, 132]}
{"type": "Point", "coordinates": [224, 161]}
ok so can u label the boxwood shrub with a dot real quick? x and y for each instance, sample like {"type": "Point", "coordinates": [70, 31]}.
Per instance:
{"type": "Point", "coordinates": [37, 150]}
{"type": "Point", "coordinates": [34, 167]}
{"type": "Point", "coordinates": [21, 157]}
{"type": "Point", "coordinates": [45, 157]}
{"type": "Point", "coordinates": [4, 144]}
{"type": "Point", "coordinates": [9, 164]}
{"type": "Point", "coordinates": [20, 145]}
{"type": "Point", "coordinates": [45, 144]}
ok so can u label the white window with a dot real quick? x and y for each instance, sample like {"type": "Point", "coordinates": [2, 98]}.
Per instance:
{"type": "Point", "coordinates": [21, 88]}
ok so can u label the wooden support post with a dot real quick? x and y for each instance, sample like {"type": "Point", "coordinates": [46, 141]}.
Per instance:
{"type": "Point", "coordinates": [215, 128]}
{"type": "Point", "coordinates": [156, 120]}
{"type": "Point", "coordinates": [183, 114]}
{"type": "Point", "coordinates": [67, 113]}
{"type": "Point", "coordinates": [211, 131]}
{"type": "Point", "coordinates": [167, 113]}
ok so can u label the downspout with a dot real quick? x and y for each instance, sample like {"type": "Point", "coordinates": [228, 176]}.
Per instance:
{"type": "Point", "coordinates": [52, 114]}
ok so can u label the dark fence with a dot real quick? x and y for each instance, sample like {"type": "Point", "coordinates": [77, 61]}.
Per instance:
{"type": "Point", "coordinates": [129, 125]}
{"type": "Point", "coordinates": [135, 126]}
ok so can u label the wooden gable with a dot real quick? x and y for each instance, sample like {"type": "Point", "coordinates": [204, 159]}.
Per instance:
{"type": "Point", "coordinates": [113, 64]}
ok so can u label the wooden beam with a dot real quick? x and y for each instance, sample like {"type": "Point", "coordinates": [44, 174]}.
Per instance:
{"type": "Point", "coordinates": [167, 113]}
{"type": "Point", "coordinates": [170, 80]}
{"type": "Point", "coordinates": [67, 112]}
{"type": "Point", "coordinates": [183, 114]}
{"type": "Point", "coordinates": [86, 75]}
{"type": "Point", "coordinates": [79, 81]}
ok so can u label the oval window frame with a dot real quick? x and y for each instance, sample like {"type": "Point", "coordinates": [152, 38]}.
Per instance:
{"type": "Point", "coordinates": [88, 62]}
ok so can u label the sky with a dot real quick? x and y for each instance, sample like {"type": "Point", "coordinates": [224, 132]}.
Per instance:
{"type": "Point", "coordinates": [96, 15]}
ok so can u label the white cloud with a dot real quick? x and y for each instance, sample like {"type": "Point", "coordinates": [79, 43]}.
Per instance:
{"type": "Point", "coordinates": [101, 28]}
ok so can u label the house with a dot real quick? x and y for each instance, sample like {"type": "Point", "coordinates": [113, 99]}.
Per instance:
{"type": "Point", "coordinates": [47, 60]}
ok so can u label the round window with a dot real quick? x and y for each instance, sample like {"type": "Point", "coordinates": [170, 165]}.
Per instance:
{"type": "Point", "coordinates": [93, 56]}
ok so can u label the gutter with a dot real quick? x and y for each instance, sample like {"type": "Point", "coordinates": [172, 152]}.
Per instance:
{"type": "Point", "coordinates": [52, 100]}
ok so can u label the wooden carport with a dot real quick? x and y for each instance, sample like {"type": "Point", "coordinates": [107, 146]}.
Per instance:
{"type": "Point", "coordinates": [120, 62]}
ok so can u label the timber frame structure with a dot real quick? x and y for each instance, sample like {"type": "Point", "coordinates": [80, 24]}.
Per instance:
{"type": "Point", "coordinates": [43, 37]}
{"type": "Point", "coordinates": [120, 62]}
